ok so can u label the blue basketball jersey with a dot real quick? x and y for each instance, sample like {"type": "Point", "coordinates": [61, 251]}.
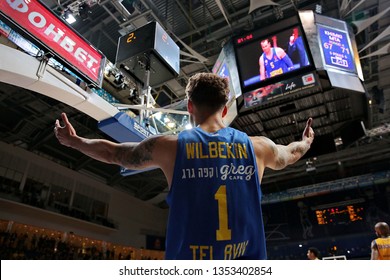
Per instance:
{"type": "Point", "coordinates": [274, 66]}
{"type": "Point", "coordinates": [215, 198]}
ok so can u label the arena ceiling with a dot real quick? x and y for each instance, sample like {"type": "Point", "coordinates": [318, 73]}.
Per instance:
{"type": "Point", "coordinates": [27, 118]}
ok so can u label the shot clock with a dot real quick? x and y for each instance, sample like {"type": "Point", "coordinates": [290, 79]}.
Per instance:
{"type": "Point", "coordinates": [149, 48]}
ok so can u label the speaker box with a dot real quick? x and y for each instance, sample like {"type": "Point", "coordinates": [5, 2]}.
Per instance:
{"type": "Point", "coordinates": [148, 47]}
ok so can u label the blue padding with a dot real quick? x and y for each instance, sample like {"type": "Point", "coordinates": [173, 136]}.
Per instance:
{"type": "Point", "coordinates": [252, 80]}
{"type": "Point", "coordinates": [123, 128]}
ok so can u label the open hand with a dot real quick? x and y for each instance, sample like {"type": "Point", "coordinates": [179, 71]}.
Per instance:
{"type": "Point", "coordinates": [65, 134]}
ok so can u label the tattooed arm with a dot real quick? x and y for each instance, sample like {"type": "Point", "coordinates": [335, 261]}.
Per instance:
{"type": "Point", "coordinates": [154, 151]}
{"type": "Point", "coordinates": [129, 155]}
{"type": "Point", "coordinates": [277, 157]}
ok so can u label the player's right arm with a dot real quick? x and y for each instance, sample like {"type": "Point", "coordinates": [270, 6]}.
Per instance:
{"type": "Point", "coordinates": [262, 68]}
{"type": "Point", "coordinates": [155, 151]}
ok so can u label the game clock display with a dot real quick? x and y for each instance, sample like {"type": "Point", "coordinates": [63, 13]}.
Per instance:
{"type": "Point", "coordinates": [150, 37]}
{"type": "Point", "coordinates": [336, 49]}
{"type": "Point", "coordinates": [149, 48]}
{"type": "Point", "coordinates": [340, 215]}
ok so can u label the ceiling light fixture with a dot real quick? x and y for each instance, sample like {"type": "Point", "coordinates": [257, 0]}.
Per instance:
{"type": "Point", "coordinates": [68, 16]}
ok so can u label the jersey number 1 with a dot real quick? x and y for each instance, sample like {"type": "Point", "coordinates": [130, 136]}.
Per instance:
{"type": "Point", "coordinates": [223, 232]}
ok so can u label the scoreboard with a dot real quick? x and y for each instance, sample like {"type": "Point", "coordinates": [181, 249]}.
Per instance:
{"type": "Point", "coordinates": [336, 48]}
{"type": "Point", "coordinates": [340, 215]}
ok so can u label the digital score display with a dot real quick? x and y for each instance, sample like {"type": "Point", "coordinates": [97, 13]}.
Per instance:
{"type": "Point", "coordinates": [149, 48]}
{"type": "Point", "coordinates": [147, 38]}
{"type": "Point", "coordinates": [244, 38]}
{"type": "Point", "coordinates": [167, 48]}
{"type": "Point", "coordinates": [336, 48]}
{"type": "Point", "coordinates": [339, 215]}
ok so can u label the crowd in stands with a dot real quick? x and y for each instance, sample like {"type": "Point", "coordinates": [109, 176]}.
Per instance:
{"type": "Point", "coordinates": [24, 246]}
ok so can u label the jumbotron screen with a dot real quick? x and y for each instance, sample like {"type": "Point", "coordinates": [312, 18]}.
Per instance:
{"type": "Point", "coordinates": [267, 59]}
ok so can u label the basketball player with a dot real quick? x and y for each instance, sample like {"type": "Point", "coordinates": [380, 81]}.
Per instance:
{"type": "Point", "coordinates": [380, 247]}
{"type": "Point", "coordinates": [213, 171]}
{"type": "Point", "coordinates": [274, 60]}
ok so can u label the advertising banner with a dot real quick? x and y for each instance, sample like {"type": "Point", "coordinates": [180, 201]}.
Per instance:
{"type": "Point", "coordinates": [45, 28]}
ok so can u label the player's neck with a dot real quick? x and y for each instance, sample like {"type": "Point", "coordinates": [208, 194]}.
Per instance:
{"type": "Point", "coordinates": [211, 123]}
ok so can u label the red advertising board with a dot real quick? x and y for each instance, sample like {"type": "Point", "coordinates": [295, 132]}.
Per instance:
{"type": "Point", "coordinates": [43, 25]}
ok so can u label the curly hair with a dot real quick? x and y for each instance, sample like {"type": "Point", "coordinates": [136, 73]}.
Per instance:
{"type": "Point", "coordinates": [208, 91]}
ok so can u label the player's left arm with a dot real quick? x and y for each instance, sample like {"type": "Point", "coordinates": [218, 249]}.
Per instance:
{"type": "Point", "coordinates": [374, 251]}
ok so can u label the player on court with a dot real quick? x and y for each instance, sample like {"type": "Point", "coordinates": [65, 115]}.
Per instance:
{"type": "Point", "coordinates": [380, 247]}
{"type": "Point", "coordinates": [213, 171]}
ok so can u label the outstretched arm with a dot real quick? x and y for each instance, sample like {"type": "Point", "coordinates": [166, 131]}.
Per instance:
{"type": "Point", "coordinates": [130, 155]}
{"type": "Point", "coordinates": [278, 157]}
